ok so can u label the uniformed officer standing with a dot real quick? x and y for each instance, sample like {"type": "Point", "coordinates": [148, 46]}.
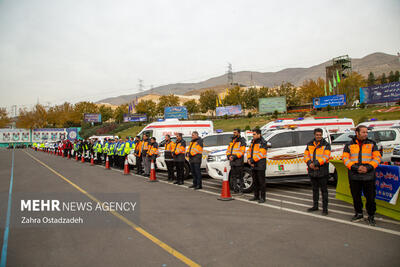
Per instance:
{"type": "Point", "coordinates": [152, 154]}
{"type": "Point", "coordinates": [361, 156]}
{"type": "Point", "coordinates": [316, 156]}
{"type": "Point", "coordinates": [169, 161]}
{"type": "Point", "coordinates": [179, 158]}
{"type": "Point", "coordinates": [144, 149]}
{"type": "Point", "coordinates": [138, 150]}
{"type": "Point", "coordinates": [256, 158]}
{"type": "Point", "coordinates": [235, 154]}
{"type": "Point", "coordinates": [195, 154]}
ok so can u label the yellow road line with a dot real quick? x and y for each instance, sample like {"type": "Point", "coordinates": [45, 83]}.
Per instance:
{"type": "Point", "coordinates": [139, 229]}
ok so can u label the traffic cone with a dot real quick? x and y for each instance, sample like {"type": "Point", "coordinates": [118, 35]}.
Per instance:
{"type": "Point", "coordinates": [126, 166]}
{"type": "Point", "coordinates": [91, 160]}
{"type": "Point", "coordinates": [62, 153]}
{"type": "Point", "coordinates": [226, 192]}
{"type": "Point", "coordinates": [82, 158]}
{"type": "Point", "coordinates": [69, 155]}
{"type": "Point", "coordinates": [152, 172]}
{"type": "Point", "coordinates": [107, 163]}
{"type": "Point", "coordinates": [76, 156]}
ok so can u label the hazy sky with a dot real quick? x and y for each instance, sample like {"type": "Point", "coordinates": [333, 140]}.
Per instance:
{"type": "Point", "coordinates": [67, 50]}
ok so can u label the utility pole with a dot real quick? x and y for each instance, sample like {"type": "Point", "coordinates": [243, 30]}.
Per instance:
{"type": "Point", "coordinates": [230, 74]}
{"type": "Point", "coordinates": [140, 85]}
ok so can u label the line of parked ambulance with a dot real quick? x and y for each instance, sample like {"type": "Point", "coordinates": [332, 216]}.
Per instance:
{"type": "Point", "coordinates": [286, 138]}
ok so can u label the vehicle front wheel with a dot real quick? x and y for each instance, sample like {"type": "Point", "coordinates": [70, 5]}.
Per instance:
{"type": "Point", "coordinates": [248, 180]}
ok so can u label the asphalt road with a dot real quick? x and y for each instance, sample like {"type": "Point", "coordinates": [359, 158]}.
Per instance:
{"type": "Point", "coordinates": [180, 226]}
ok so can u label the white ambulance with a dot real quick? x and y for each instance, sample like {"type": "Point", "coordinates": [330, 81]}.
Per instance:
{"type": "Point", "coordinates": [376, 123]}
{"type": "Point", "coordinates": [284, 156]}
{"type": "Point", "coordinates": [334, 125]}
{"type": "Point", "coordinates": [160, 129]}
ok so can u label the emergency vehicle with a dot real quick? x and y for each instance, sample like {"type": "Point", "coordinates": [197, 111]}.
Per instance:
{"type": "Point", "coordinates": [284, 157]}
{"type": "Point", "coordinates": [171, 126]}
{"type": "Point", "coordinates": [376, 123]}
{"type": "Point", "coordinates": [334, 125]}
{"type": "Point", "coordinates": [160, 129]}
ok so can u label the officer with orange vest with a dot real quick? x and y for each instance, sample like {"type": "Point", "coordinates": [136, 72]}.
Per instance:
{"type": "Point", "coordinates": [235, 155]}
{"type": "Point", "coordinates": [257, 159]}
{"type": "Point", "coordinates": [178, 154]}
{"type": "Point", "coordinates": [361, 156]}
{"type": "Point", "coordinates": [152, 154]}
{"type": "Point", "coordinates": [316, 156]}
{"type": "Point", "coordinates": [138, 147]}
{"type": "Point", "coordinates": [169, 160]}
{"type": "Point", "coordinates": [195, 154]}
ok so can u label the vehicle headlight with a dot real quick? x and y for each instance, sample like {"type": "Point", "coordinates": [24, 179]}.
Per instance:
{"type": "Point", "coordinates": [221, 158]}
{"type": "Point", "coordinates": [396, 151]}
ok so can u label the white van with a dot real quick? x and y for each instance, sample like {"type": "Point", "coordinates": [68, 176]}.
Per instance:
{"type": "Point", "coordinates": [394, 123]}
{"type": "Point", "coordinates": [284, 157]}
{"type": "Point", "coordinates": [160, 129]}
{"type": "Point", "coordinates": [331, 124]}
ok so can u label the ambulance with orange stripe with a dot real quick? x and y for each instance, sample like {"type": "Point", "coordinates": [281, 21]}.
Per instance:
{"type": "Point", "coordinates": [284, 156]}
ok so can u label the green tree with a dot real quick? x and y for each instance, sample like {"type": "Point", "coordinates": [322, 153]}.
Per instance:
{"type": "Point", "coordinates": [310, 89]}
{"type": "Point", "coordinates": [192, 106]}
{"type": "Point", "coordinates": [371, 79]}
{"type": "Point", "coordinates": [106, 113]}
{"type": "Point", "coordinates": [208, 100]}
{"type": "Point", "coordinates": [4, 119]}
{"type": "Point", "coordinates": [148, 107]}
{"type": "Point", "coordinates": [119, 112]}
{"type": "Point", "coordinates": [167, 101]}
{"type": "Point", "coordinates": [383, 78]}
{"type": "Point", "coordinates": [234, 96]}
{"type": "Point", "coordinates": [264, 92]}
{"type": "Point", "coordinates": [351, 85]}
{"type": "Point", "coordinates": [250, 98]}
{"type": "Point", "coordinates": [391, 77]}
{"type": "Point", "coordinates": [397, 76]}
{"type": "Point", "coordinates": [37, 118]}
{"type": "Point", "coordinates": [287, 89]}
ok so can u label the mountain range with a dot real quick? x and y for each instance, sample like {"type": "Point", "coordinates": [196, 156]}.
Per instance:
{"type": "Point", "coordinates": [377, 63]}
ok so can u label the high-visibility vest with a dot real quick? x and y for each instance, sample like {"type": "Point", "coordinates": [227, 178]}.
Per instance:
{"type": "Point", "coordinates": [179, 148]}
{"type": "Point", "coordinates": [110, 149]}
{"type": "Point", "coordinates": [194, 148]}
{"type": "Point", "coordinates": [236, 148]}
{"type": "Point", "coordinates": [120, 149]}
{"type": "Point", "coordinates": [127, 148]}
{"type": "Point", "coordinates": [320, 150]}
{"type": "Point", "coordinates": [169, 148]}
{"type": "Point", "coordinates": [367, 153]}
{"type": "Point", "coordinates": [256, 151]}
{"type": "Point", "coordinates": [153, 149]}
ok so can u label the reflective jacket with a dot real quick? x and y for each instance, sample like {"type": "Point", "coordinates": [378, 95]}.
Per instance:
{"type": "Point", "coordinates": [319, 154]}
{"type": "Point", "coordinates": [195, 150]}
{"type": "Point", "coordinates": [105, 147]}
{"type": "Point", "coordinates": [127, 148]}
{"type": "Point", "coordinates": [153, 151]}
{"type": "Point", "coordinates": [356, 154]}
{"type": "Point", "coordinates": [110, 149]}
{"type": "Point", "coordinates": [169, 147]}
{"type": "Point", "coordinates": [179, 151]}
{"type": "Point", "coordinates": [257, 154]}
{"type": "Point", "coordinates": [236, 149]}
{"type": "Point", "coordinates": [120, 149]}
{"type": "Point", "coordinates": [144, 147]}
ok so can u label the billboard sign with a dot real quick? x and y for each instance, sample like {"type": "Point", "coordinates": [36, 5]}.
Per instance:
{"type": "Point", "coordinates": [229, 110]}
{"type": "Point", "coordinates": [270, 104]}
{"type": "Point", "coordinates": [382, 93]}
{"type": "Point", "coordinates": [15, 135]}
{"type": "Point", "coordinates": [330, 100]}
{"type": "Point", "coordinates": [135, 117]}
{"type": "Point", "coordinates": [175, 113]}
{"type": "Point", "coordinates": [92, 117]}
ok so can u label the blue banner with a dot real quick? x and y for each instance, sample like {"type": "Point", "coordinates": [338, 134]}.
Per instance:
{"type": "Point", "coordinates": [387, 183]}
{"type": "Point", "coordinates": [330, 100]}
{"type": "Point", "coordinates": [175, 112]}
{"type": "Point", "coordinates": [92, 117]}
{"type": "Point", "coordinates": [229, 110]}
{"type": "Point", "coordinates": [382, 93]}
{"type": "Point", "coordinates": [135, 117]}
